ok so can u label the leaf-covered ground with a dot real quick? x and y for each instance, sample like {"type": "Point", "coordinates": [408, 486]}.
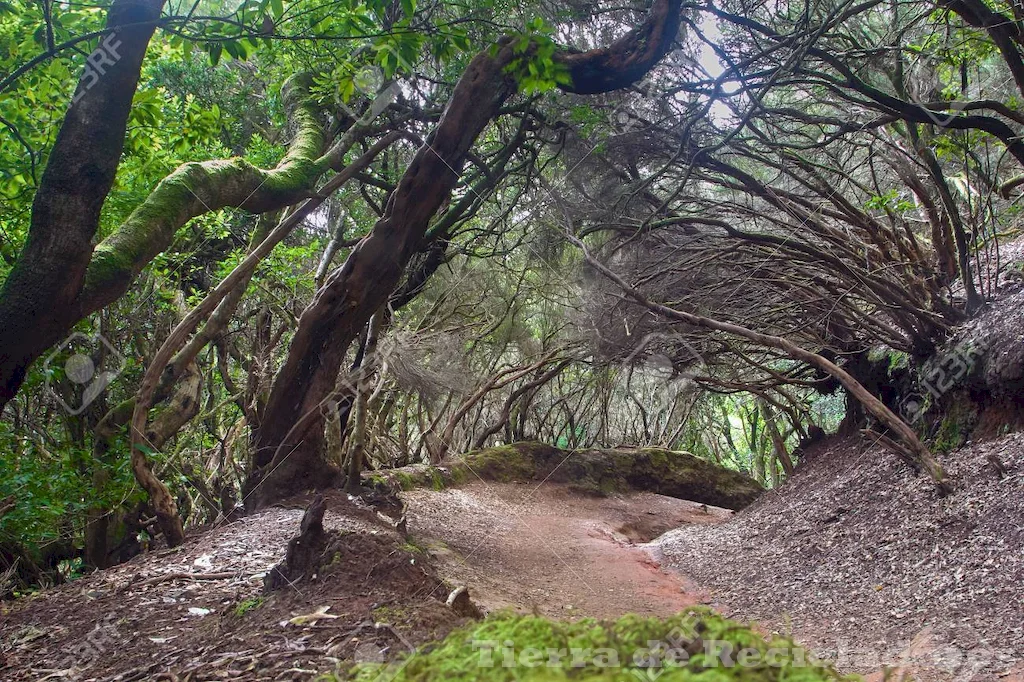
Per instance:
{"type": "Point", "coordinates": [145, 620]}
{"type": "Point", "coordinates": [858, 556]}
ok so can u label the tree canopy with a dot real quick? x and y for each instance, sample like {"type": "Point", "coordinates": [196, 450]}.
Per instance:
{"type": "Point", "coordinates": [250, 248]}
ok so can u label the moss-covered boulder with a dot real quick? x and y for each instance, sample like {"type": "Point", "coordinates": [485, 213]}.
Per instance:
{"type": "Point", "coordinates": [695, 645]}
{"type": "Point", "coordinates": [666, 472]}
{"type": "Point", "coordinates": [413, 476]}
{"type": "Point", "coordinates": [601, 472]}
{"type": "Point", "coordinates": [525, 461]}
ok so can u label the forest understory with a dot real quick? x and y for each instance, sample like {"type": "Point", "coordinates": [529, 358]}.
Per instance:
{"type": "Point", "coordinates": [368, 339]}
{"type": "Point", "coordinates": [877, 573]}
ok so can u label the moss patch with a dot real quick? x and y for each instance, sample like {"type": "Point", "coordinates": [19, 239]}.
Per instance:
{"type": "Point", "coordinates": [694, 645]}
{"type": "Point", "coordinates": [591, 472]}
{"type": "Point", "coordinates": [411, 477]}
{"type": "Point", "coordinates": [515, 462]}
{"type": "Point", "coordinates": [437, 481]}
{"type": "Point", "coordinates": [247, 605]}
{"type": "Point", "coordinates": [956, 426]}
{"type": "Point", "coordinates": [392, 614]}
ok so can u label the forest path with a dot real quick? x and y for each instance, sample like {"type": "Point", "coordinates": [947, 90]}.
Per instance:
{"type": "Point", "coordinates": [548, 549]}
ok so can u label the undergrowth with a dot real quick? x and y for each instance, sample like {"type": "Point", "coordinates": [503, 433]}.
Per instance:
{"type": "Point", "coordinates": [247, 605]}
{"type": "Point", "coordinates": [694, 645]}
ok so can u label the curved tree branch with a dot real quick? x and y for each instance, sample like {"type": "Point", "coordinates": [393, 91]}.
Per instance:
{"type": "Point", "coordinates": [354, 292]}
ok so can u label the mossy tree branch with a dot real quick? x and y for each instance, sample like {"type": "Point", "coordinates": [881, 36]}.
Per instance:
{"type": "Point", "coordinates": [175, 354]}
{"type": "Point", "coordinates": [195, 189]}
{"type": "Point", "coordinates": [75, 278]}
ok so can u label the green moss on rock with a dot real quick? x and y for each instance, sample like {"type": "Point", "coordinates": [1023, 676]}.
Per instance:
{"type": "Point", "coordinates": [515, 462]}
{"type": "Point", "coordinates": [411, 477]}
{"type": "Point", "coordinates": [960, 419]}
{"type": "Point", "coordinates": [406, 481]}
{"type": "Point", "coordinates": [693, 645]}
{"type": "Point", "coordinates": [681, 474]}
{"type": "Point", "coordinates": [592, 472]}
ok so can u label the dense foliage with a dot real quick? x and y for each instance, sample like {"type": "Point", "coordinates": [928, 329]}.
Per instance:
{"type": "Point", "coordinates": [837, 175]}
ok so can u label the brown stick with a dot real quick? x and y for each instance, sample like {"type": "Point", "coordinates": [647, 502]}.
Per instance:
{"type": "Point", "coordinates": [223, 575]}
{"type": "Point", "coordinates": [917, 450]}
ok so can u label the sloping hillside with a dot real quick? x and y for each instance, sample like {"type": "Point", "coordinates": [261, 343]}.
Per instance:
{"type": "Point", "coordinates": [199, 612]}
{"type": "Point", "coordinates": [858, 557]}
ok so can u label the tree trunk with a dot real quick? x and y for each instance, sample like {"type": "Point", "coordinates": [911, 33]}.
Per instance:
{"type": "Point", "coordinates": [357, 440]}
{"type": "Point", "coordinates": [284, 452]}
{"type": "Point", "coordinates": [51, 268]}
{"type": "Point", "coordinates": [778, 442]}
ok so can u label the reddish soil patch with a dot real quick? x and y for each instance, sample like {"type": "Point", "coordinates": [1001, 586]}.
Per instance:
{"type": "Point", "coordinates": [545, 549]}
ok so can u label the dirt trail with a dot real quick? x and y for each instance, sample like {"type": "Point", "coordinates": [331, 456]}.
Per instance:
{"type": "Point", "coordinates": [546, 549]}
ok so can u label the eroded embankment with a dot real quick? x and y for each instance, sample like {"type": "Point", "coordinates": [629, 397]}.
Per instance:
{"type": "Point", "coordinates": [857, 554]}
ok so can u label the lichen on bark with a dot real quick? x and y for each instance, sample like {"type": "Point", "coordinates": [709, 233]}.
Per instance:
{"type": "Point", "coordinates": [197, 188]}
